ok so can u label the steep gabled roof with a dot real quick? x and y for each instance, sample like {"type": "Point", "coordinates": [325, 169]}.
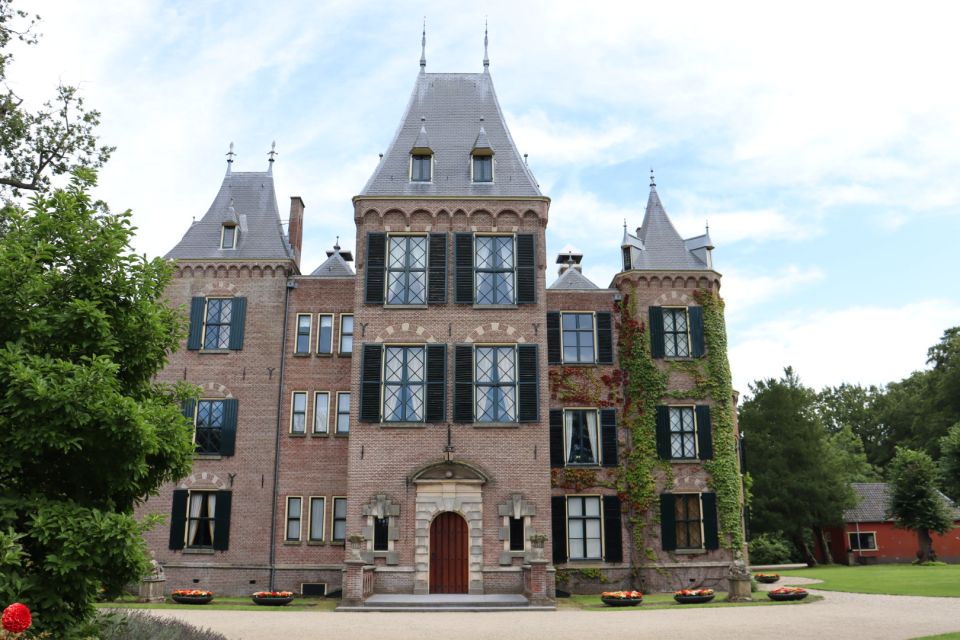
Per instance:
{"type": "Point", "coordinates": [336, 265]}
{"type": "Point", "coordinates": [453, 107]}
{"type": "Point", "coordinates": [873, 500]}
{"type": "Point", "coordinates": [571, 279]}
{"type": "Point", "coordinates": [247, 199]}
{"type": "Point", "coordinates": [658, 245]}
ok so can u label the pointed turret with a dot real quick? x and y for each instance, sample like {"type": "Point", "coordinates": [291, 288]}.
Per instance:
{"type": "Point", "coordinates": [336, 264]}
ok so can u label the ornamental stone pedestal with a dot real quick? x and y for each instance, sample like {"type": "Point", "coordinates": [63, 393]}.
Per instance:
{"type": "Point", "coordinates": [740, 583]}
{"type": "Point", "coordinates": [152, 590]}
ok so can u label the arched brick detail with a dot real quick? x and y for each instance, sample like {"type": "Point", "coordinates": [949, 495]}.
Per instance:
{"type": "Point", "coordinates": [203, 480]}
{"type": "Point", "coordinates": [495, 332]}
{"type": "Point", "coordinates": [215, 390]}
{"type": "Point", "coordinates": [405, 330]}
{"type": "Point", "coordinates": [673, 298]}
{"type": "Point", "coordinates": [219, 287]}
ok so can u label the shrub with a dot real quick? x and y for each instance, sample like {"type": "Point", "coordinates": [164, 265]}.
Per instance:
{"type": "Point", "coordinates": [139, 625]}
{"type": "Point", "coordinates": [769, 548]}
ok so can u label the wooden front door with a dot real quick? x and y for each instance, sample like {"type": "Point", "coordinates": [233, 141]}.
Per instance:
{"type": "Point", "coordinates": [448, 554]}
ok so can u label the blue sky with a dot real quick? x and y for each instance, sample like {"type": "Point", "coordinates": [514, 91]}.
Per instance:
{"type": "Point", "coordinates": [820, 140]}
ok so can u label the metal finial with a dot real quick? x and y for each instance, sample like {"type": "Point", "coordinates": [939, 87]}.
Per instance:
{"type": "Point", "coordinates": [653, 182]}
{"type": "Point", "coordinates": [708, 227]}
{"type": "Point", "coordinates": [423, 47]}
{"type": "Point", "coordinates": [486, 58]}
{"type": "Point", "coordinates": [273, 151]}
{"type": "Point", "coordinates": [230, 155]}
{"type": "Point", "coordinates": [336, 245]}
{"type": "Point", "coordinates": [624, 224]}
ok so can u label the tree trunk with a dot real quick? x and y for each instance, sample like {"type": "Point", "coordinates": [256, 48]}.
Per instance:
{"type": "Point", "coordinates": [926, 553]}
{"type": "Point", "coordinates": [801, 544]}
{"type": "Point", "coordinates": [822, 539]}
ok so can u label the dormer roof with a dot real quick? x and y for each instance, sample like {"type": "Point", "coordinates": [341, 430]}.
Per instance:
{"type": "Point", "coordinates": [422, 143]}
{"type": "Point", "coordinates": [336, 265]}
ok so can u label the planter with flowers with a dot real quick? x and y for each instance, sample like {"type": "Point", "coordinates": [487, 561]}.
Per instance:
{"type": "Point", "coordinates": [787, 593]}
{"type": "Point", "coordinates": [272, 598]}
{"type": "Point", "coordinates": [694, 596]}
{"type": "Point", "coordinates": [192, 596]}
{"type": "Point", "coordinates": [621, 598]}
{"type": "Point", "coordinates": [766, 578]}
{"type": "Point", "coordinates": [16, 619]}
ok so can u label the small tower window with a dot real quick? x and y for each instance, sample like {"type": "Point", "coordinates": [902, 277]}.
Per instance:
{"type": "Point", "coordinates": [627, 266]}
{"type": "Point", "coordinates": [482, 168]}
{"type": "Point", "coordinates": [421, 167]}
{"type": "Point", "coordinates": [228, 236]}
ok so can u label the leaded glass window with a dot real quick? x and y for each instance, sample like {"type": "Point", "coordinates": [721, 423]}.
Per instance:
{"type": "Point", "coordinates": [578, 337]}
{"type": "Point", "coordinates": [216, 326]}
{"type": "Point", "coordinates": [420, 168]}
{"type": "Point", "coordinates": [483, 168]}
{"type": "Point", "coordinates": [688, 518]}
{"type": "Point", "coordinates": [676, 333]}
{"type": "Point", "coordinates": [583, 528]}
{"type": "Point", "coordinates": [209, 426]}
{"type": "Point", "coordinates": [404, 372]}
{"type": "Point", "coordinates": [495, 380]}
{"type": "Point", "coordinates": [407, 270]}
{"type": "Point", "coordinates": [201, 524]}
{"type": "Point", "coordinates": [494, 261]}
{"type": "Point", "coordinates": [683, 433]}
{"type": "Point", "coordinates": [580, 437]}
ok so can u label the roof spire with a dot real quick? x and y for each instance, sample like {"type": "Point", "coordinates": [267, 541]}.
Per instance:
{"type": "Point", "coordinates": [271, 155]}
{"type": "Point", "coordinates": [653, 182]}
{"type": "Point", "coordinates": [486, 58]}
{"type": "Point", "coordinates": [230, 155]}
{"type": "Point", "coordinates": [423, 47]}
{"type": "Point", "coordinates": [336, 245]}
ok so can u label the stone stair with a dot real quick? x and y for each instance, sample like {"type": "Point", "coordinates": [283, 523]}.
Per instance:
{"type": "Point", "coordinates": [446, 602]}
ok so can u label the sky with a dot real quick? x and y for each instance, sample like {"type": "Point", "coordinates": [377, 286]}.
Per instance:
{"type": "Point", "coordinates": [819, 140]}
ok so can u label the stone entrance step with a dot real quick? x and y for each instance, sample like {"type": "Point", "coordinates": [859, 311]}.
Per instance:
{"type": "Point", "coordinates": [446, 602]}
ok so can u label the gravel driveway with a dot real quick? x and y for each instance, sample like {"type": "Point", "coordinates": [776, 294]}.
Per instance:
{"type": "Point", "coordinates": [850, 616]}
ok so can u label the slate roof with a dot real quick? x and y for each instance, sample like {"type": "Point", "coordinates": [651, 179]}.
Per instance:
{"type": "Point", "coordinates": [250, 200]}
{"type": "Point", "coordinates": [451, 109]}
{"type": "Point", "coordinates": [571, 279]}
{"type": "Point", "coordinates": [658, 245]}
{"type": "Point", "coordinates": [874, 499]}
{"type": "Point", "coordinates": [335, 266]}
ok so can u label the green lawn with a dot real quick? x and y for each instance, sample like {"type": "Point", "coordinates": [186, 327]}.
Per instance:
{"type": "Point", "coordinates": [224, 603]}
{"type": "Point", "coordinates": [893, 579]}
{"type": "Point", "coordinates": [666, 601]}
{"type": "Point", "coordinates": [945, 636]}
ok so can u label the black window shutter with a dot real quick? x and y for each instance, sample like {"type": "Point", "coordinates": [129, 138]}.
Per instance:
{"type": "Point", "coordinates": [698, 347]}
{"type": "Point", "coordinates": [178, 519]}
{"type": "Point", "coordinates": [668, 522]}
{"type": "Point", "coordinates": [370, 379]}
{"type": "Point", "coordinates": [556, 437]}
{"type": "Point", "coordinates": [221, 514]}
{"type": "Point", "coordinates": [238, 320]}
{"type": "Point", "coordinates": [228, 433]}
{"type": "Point", "coordinates": [663, 432]}
{"type": "Point", "coordinates": [711, 537]}
{"type": "Point", "coordinates": [528, 391]}
{"type": "Point", "coordinates": [437, 277]}
{"type": "Point", "coordinates": [188, 407]}
{"type": "Point", "coordinates": [195, 337]}
{"type": "Point", "coordinates": [608, 437]}
{"type": "Point", "coordinates": [463, 383]}
{"type": "Point", "coordinates": [704, 433]}
{"type": "Point", "coordinates": [376, 265]}
{"type": "Point", "coordinates": [526, 268]}
{"type": "Point", "coordinates": [656, 332]}
{"type": "Point", "coordinates": [558, 505]}
{"type": "Point", "coordinates": [436, 383]}
{"type": "Point", "coordinates": [464, 264]}
{"type": "Point", "coordinates": [554, 346]}
{"type": "Point", "coordinates": [604, 338]}
{"type": "Point", "coordinates": [612, 533]}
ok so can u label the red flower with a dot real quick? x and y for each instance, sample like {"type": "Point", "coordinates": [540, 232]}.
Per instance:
{"type": "Point", "coordinates": [16, 618]}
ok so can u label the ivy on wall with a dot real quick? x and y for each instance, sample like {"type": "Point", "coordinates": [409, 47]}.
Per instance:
{"type": "Point", "coordinates": [585, 386]}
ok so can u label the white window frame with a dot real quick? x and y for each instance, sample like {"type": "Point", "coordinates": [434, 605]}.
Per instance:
{"type": "Point", "coordinates": [211, 517]}
{"type": "Point", "coordinates": [320, 317]}
{"type": "Point", "coordinates": [426, 270]}
{"type": "Point", "coordinates": [493, 168]}
{"type": "Point", "coordinates": [296, 334]}
{"type": "Point", "coordinates": [336, 428]}
{"type": "Point", "coordinates": [410, 174]}
{"type": "Point", "coordinates": [385, 384]}
{"type": "Point", "coordinates": [563, 351]}
{"type": "Point", "coordinates": [323, 518]}
{"type": "Point", "coordinates": [287, 521]}
{"type": "Point", "coordinates": [599, 448]}
{"type": "Point", "coordinates": [333, 518]}
{"type": "Point", "coordinates": [585, 558]}
{"type": "Point", "coordinates": [850, 546]}
{"type": "Point", "coordinates": [676, 522]}
{"type": "Point", "coordinates": [306, 411]}
{"type": "Point", "coordinates": [206, 316]}
{"type": "Point", "coordinates": [223, 233]}
{"type": "Point", "coordinates": [340, 350]}
{"type": "Point", "coordinates": [326, 423]}
{"type": "Point", "coordinates": [476, 279]}
{"type": "Point", "coordinates": [686, 313]}
{"type": "Point", "coordinates": [696, 431]}
{"type": "Point", "coordinates": [516, 383]}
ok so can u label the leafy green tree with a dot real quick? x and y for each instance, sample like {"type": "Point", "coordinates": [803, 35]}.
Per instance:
{"type": "Point", "coordinates": [915, 502]}
{"type": "Point", "coordinates": [53, 140]}
{"type": "Point", "coordinates": [854, 407]}
{"type": "Point", "coordinates": [85, 432]}
{"type": "Point", "coordinates": [848, 457]}
{"type": "Point", "coordinates": [950, 462]}
{"type": "Point", "coordinates": [797, 483]}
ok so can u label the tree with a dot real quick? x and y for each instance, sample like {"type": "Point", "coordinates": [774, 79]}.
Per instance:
{"type": "Point", "coordinates": [853, 407]}
{"type": "Point", "coordinates": [85, 432]}
{"type": "Point", "coordinates": [915, 502]}
{"type": "Point", "coordinates": [847, 456]}
{"type": "Point", "coordinates": [797, 483]}
{"type": "Point", "coordinates": [950, 462]}
{"type": "Point", "coordinates": [50, 141]}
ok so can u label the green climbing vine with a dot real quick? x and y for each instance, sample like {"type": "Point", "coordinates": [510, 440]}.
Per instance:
{"type": "Point", "coordinates": [585, 386]}
{"type": "Point", "coordinates": [724, 469]}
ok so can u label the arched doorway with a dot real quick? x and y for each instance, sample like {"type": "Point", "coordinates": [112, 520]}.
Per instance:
{"type": "Point", "coordinates": [449, 554]}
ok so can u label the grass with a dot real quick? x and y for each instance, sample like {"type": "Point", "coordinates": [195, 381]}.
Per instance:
{"type": "Point", "coordinates": [943, 636]}
{"type": "Point", "coordinates": [225, 603]}
{"type": "Point", "coordinates": [892, 579]}
{"type": "Point", "coordinates": [666, 601]}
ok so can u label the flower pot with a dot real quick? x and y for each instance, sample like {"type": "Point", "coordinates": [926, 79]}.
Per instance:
{"type": "Point", "coordinates": [786, 597]}
{"type": "Point", "coordinates": [693, 599]}
{"type": "Point", "coordinates": [621, 602]}
{"type": "Point", "coordinates": [192, 599]}
{"type": "Point", "coordinates": [272, 602]}
{"type": "Point", "coordinates": [767, 579]}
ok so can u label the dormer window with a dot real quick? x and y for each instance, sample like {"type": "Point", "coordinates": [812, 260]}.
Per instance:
{"type": "Point", "coordinates": [228, 236]}
{"type": "Point", "coordinates": [482, 168]}
{"type": "Point", "coordinates": [421, 167]}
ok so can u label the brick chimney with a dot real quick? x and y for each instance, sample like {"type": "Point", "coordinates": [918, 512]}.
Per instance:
{"type": "Point", "coordinates": [295, 230]}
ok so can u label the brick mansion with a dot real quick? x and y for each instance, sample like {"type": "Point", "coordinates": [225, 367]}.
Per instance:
{"type": "Point", "coordinates": [444, 410]}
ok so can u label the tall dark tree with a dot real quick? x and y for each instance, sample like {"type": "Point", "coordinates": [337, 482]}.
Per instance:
{"type": "Point", "coordinates": [854, 407]}
{"type": "Point", "coordinates": [915, 502]}
{"type": "Point", "coordinates": [950, 462]}
{"type": "Point", "coordinates": [86, 433]}
{"type": "Point", "coordinates": [797, 484]}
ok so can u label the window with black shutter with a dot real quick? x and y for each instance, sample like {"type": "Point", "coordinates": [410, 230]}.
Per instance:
{"type": "Point", "coordinates": [436, 383]}
{"type": "Point", "coordinates": [697, 342]}
{"type": "Point", "coordinates": [437, 278]}
{"type": "Point", "coordinates": [711, 534]}
{"type": "Point", "coordinates": [558, 508]}
{"type": "Point", "coordinates": [407, 270]}
{"type": "Point", "coordinates": [556, 438]}
{"type": "Point", "coordinates": [178, 519]}
{"type": "Point", "coordinates": [608, 437]}
{"type": "Point", "coordinates": [404, 384]}
{"type": "Point", "coordinates": [200, 520]}
{"type": "Point", "coordinates": [668, 525]}
{"type": "Point", "coordinates": [612, 530]}
{"type": "Point", "coordinates": [217, 323]}
{"type": "Point", "coordinates": [463, 383]}
{"type": "Point", "coordinates": [371, 370]}
{"type": "Point", "coordinates": [604, 337]}
{"type": "Point", "coordinates": [526, 268]}
{"type": "Point", "coordinates": [663, 432]}
{"type": "Point", "coordinates": [656, 332]}
{"type": "Point", "coordinates": [463, 250]}
{"type": "Point", "coordinates": [554, 348]}
{"type": "Point", "coordinates": [704, 433]}
{"type": "Point", "coordinates": [528, 389]}
{"type": "Point", "coordinates": [375, 266]}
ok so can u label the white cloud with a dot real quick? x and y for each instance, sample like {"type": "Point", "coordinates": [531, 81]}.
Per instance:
{"type": "Point", "coordinates": [744, 290]}
{"type": "Point", "coordinates": [864, 344]}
